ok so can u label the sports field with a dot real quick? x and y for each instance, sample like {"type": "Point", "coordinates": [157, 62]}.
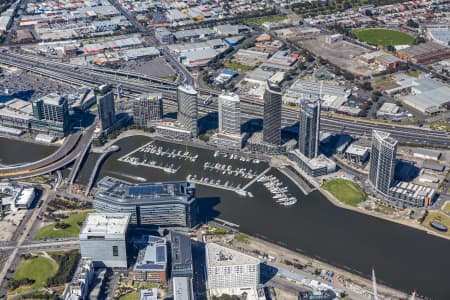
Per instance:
{"type": "Point", "coordinates": [383, 37]}
{"type": "Point", "coordinates": [345, 191]}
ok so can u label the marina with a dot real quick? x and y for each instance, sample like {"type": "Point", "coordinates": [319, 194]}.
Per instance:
{"type": "Point", "coordinates": [279, 192]}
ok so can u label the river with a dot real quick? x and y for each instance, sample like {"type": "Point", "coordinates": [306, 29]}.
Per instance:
{"type": "Point", "coordinates": [404, 258]}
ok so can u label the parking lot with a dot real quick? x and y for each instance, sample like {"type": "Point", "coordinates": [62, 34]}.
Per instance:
{"type": "Point", "coordinates": [155, 67]}
{"type": "Point", "coordinates": [27, 86]}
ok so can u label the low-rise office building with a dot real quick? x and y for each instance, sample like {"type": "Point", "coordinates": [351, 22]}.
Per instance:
{"type": "Point", "coordinates": [16, 196]}
{"type": "Point", "coordinates": [155, 204]}
{"type": "Point", "coordinates": [317, 166]}
{"type": "Point", "coordinates": [151, 263]}
{"type": "Point", "coordinates": [103, 239]}
{"type": "Point", "coordinates": [357, 154]}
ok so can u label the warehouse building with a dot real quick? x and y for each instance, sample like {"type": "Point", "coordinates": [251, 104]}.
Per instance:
{"type": "Point", "coordinates": [424, 53]}
{"type": "Point", "coordinates": [428, 96]}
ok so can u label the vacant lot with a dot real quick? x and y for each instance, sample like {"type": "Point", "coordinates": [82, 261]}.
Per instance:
{"type": "Point", "coordinates": [383, 37]}
{"type": "Point", "coordinates": [345, 191]}
{"type": "Point", "coordinates": [69, 227]}
{"type": "Point", "coordinates": [342, 54]}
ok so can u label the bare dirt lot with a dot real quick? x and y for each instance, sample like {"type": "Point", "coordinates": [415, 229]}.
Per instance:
{"type": "Point", "coordinates": [342, 53]}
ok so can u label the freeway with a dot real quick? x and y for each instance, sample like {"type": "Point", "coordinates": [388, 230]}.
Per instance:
{"type": "Point", "coordinates": [47, 166]}
{"type": "Point", "coordinates": [251, 107]}
{"type": "Point", "coordinates": [62, 151]}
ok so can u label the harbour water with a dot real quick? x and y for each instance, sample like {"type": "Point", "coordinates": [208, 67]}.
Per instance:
{"type": "Point", "coordinates": [404, 258]}
{"type": "Point", "coordinates": [15, 152]}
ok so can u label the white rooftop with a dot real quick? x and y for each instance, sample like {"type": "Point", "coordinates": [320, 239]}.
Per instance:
{"type": "Point", "coordinates": [105, 223]}
{"type": "Point", "coordinates": [218, 255]}
{"type": "Point", "coordinates": [188, 89]}
{"type": "Point", "coordinates": [357, 150]}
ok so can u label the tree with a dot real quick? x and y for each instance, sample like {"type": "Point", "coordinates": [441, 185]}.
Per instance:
{"type": "Point", "coordinates": [412, 23]}
{"type": "Point", "coordinates": [366, 86]}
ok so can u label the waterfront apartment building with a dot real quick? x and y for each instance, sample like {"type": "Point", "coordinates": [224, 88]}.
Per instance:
{"type": "Point", "coordinates": [181, 252]}
{"type": "Point", "coordinates": [103, 239]}
{"type": "Point", "coordinates": [188, 108]}
{"type": "Point", "coordinates": [228, 268]}
{"type": "Point", "coordinates": [147, 108]}
{"type": "Point", "coordinates": [78, 288]}
{"type": "Point", "coordinates": [382, 161]}
{"type": "Point", "coordinates": [229, 133]}
{"type": "Point", "coordinates": [105, 106]}
{"type": "Point", "coordinates": [309, 128]}
{"type": "Point", "coordinates": [52, 110]}
{"type": "Point", "coordinates": [272, 114]}
{"type": "Point", "coordinates": [229, 114]}
{"type": "Point", "coordinates": [151, 263]}
{"type": "Point", "coordinates": [157, 204]}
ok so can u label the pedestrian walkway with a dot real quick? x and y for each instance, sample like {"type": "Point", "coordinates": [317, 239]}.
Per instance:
{"type": "Point", "coordinates": [256, 178]}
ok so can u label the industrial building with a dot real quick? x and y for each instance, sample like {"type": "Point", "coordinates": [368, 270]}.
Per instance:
{"type": "Point", "coordinates": [228, 268]}
{"type": "Point", "coordinates": [105, 106]}
{"type": "Point", "coordinates": [424, 53]}
{"type": "Point", "coordinates": [147, 108]}
{"type": "Point", "coordinates": [187, 115]}
{"type": "Point", "coordinates": [151, 263]}
{"type": "Point", "coordinates": [103, 239]}
{"type": "Point", "coordinates": [333, 96]}
{"type": "Point", "coordinates": [426, 153]}
{"type": "Point", "coordinates": [16, 196]}
{"type": "Point", "coordinates": [181, 255]}
{"type": "Point", "coordinates": [156, 204]}
{"type": "Point", "coordinates": [78, 288]}
{"type": "Point", "coordinates": [164, 36]}
{"type": "Point", "coordinates": [427, 96]}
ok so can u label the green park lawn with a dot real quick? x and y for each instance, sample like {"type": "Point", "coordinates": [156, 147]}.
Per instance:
{"type": "Point", "coordinates": [38, 269]}
{"type": "Point", "coordinates": [73, 230]}
{"type": "Point", "coordinates": [130, 296]}
{"type": "Point", "coordinates": [383, 37]}
{"type": "Point", "coordinates": [446, 207]}
{"type": "Point", "coordinates": [345, 191]}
